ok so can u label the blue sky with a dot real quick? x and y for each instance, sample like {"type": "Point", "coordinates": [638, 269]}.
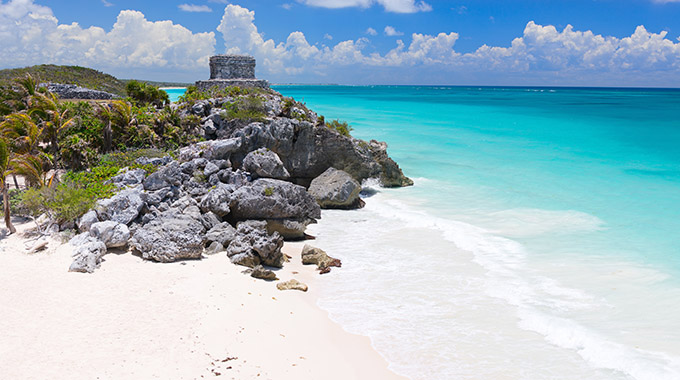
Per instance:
{"type": "Point", "coordinates": [484, 42]}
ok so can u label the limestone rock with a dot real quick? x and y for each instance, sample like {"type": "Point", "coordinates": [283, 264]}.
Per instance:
{"type": "Point", "coordinates": [214, 248]}
{"type": "Point", "coordinates": [263, 163]}
{"type": "Point", "coordinates": [336, 189]}
{"type": "Point", "coordinates": [170, 237]}
{"type": "Point", "coordinates": [211, 150]}
{"type": "Point", "coordinates": [273, 199]}
{"type": "Point", "coordinates": [123, 207]}
{"type": "Point", "coordinates": [262, 273]}
{"type": "Point", "coordinates": [253, 246]}
{"type": "Point", "coordinates": [292, 285]}
{"type": "Point", "coordinates": [87, 220]}
{"type": "Point", "coordinates": [167, 176]}
{"type": "Point", "coordinates": [112, 234]}
{"type": "Point", "coordinates": [87, 253]}
{"type": "Point", "coordinates": [289, 229]}
{"type": "Point", "coordinates": [222, 233]}
{"type": "Point", "coordinates": [129, 178]}
{"type": "Point", "coordinates": [316, 256]}
{"type": "Point", "coordinates": [217, 200]}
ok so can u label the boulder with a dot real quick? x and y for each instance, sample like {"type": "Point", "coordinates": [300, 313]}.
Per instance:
{"type": "Point", "coordinates": [87, 253]}
{"type": "Point", "coordinates": [211, 150]}
{"type": "Point", "coordinates": [291, 285]}
{"type": "Point", "coordinates": [263, 163]}
{"type": "Point", "coordinates": [273, 199]}
{"type": "Point", "coordinates": [210, 169]}
{"type": "Point", "coordinates": [214, 248]}
{"type": "Point", "coordinates": [87, 220]}
{"type": "Point", "coordinates": [262, 273]}
{"type": "Point", "coordinates": [253, 246]}
{"type": "Point", "coordinates": [217, 200]}
{"type": "Point", "coordinates": [222, 233]}
{"type": "Point", "coordinates": [170, 237]}
{"type": "Point", "coordinates": [112, 234]}
{"type": "Point", "coordinates": [210, 220]}
{"type": "Point", "coordinates": [129, 178]}
{"type": "Point", "coordinates": [155, 161]}
{"type": "Point", "coordinates": [316, 256]}
{"type": "Point", "coordinates": [167, 176]}
{"type": "Point", "coordinates": [124, 207]}
{"type": "Point", "coordinates": [289, 229]}
{"type": "Point", "coordinates": [336, 189]}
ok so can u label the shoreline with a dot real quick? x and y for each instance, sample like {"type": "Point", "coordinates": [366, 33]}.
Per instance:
{"type": "Point", "coordinates": [184, 320]}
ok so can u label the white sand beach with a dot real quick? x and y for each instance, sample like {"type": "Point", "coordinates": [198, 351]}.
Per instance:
{"type": "Point", "coordinates": [134, 319]}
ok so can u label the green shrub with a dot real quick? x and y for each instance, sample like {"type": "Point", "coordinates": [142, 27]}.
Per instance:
{"type": "Point", "coordinates": [340, 126]}
{"type": "Point", "coordinates": [249, 108]}
{"type": "Point", "coordinates": [268, 191]}
{"type": "Point", "coordinates": [144, 94]}
{"type": "Point", "coordinates": [64, 203]}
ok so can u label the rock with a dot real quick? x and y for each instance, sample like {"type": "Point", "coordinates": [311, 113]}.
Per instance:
{"type": "Point", "coordinates": [316, 256]}
{"type": "Point", "coordinates": [264, 274]}
{"type": "Point", "coordinates": [112, 234]}
{"type": "Point", "coordinates": [292, 285]}
{"type": "Point", "coordinates": [154, 198]}
{"type": "Point", "coordinates": [211, 150]}
{"type": "Point", "coordinates": [263, 163]}
{"type": "Point", "coordinates": [87, 220]}
{"type": "Point", "coordinates": [237, 178]}
{"type": "Point", "coordinates": [209, 220]}
{"type": "Point", "coordinates": [167, 176]}
{"type": "Point", "coordinates": [87, 253]}
{"type": "Point", "coordinates": [130, 177]}
{"type": "Point", "coordinates": [155, 161]}
{"type": "Point", "coordinates": [170, 237]}
{"type": "Point", "coordinates": [217, 200]}
{"type": "Point", "coordinates": [71, 91]}
{"type": "Point", "coordinates": [336, 189]}
{"type": "Point", "coordinates": [289, 229]}
{"type": "Point", "coordinates": [210, 169]}
{"type": "Point", "coordinates": [124, 207]}
{"type": "Point", "coordinates": [214, 248]}
{"type": "Point", "coordinates": [273, 199]}
{"type": "Point", "coordinates": [222, 233]}
{"type": "Point", "coordinates": [391, 175]}
{"type": "Point", "coordinates": [253, 246]}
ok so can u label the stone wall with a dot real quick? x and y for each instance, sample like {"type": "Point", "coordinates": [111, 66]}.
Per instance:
{"type": "Point", "coordinates": [232, 67]}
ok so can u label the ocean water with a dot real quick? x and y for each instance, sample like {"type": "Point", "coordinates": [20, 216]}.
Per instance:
{"type": "Point", "coordinates": [175, 92]}
{"type": "Point", "coordinates": [541, 239]}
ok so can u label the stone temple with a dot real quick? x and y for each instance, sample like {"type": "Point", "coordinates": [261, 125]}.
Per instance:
{"type": "Point", "coordinates": [231, 70]}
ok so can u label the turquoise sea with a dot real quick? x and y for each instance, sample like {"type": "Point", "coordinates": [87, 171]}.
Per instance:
{"type": "Point", "coordinates": [541, 239]}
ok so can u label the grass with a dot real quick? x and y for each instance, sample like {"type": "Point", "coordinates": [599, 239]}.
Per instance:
{"type": "Point", "coordinates": [81, 76]}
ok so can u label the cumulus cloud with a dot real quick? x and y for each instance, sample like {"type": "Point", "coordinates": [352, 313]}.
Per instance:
{"type": "Point", "coordinates": [194, 8]}
{"type": "Point", "coordinates": [371, 32]}
{"type": "Point", "coordinates": [396, 6]}
{"type": "Point", "coordinates": [107, 4]}
{"type": "Point", "coordinates": [390, 31]}
{"type": "Point", "coordinates": [31, 34]}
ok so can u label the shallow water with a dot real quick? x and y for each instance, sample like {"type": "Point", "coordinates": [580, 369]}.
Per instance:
{"type": "Point", "coordinates": [539, 241]}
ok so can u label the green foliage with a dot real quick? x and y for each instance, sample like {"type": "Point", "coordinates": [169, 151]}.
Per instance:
{"type": "Point", "coordinates": [192, 93]}
{"type": "Point", "coordinates": [199, 177]}
{"type": "Point", "coordinates": [268, 191]}
{"type": "Point", "coordinates": [128, 158]}
{"type": "Point", "coordinates": [64, 203]}
{"type": "Point", "coordinates": [144, 94]}
{"type": "Point", "coordinates": [80, 76]}
{"type": "Point", "coordinates": [250, 108]}
{"type": "Point", "coordinates": [340, 126]}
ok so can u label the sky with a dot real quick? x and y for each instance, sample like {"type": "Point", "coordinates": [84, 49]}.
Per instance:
{"type": "Point", "coordinates": [624, 43]}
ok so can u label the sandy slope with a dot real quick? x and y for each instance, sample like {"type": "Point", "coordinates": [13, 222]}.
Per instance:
{"type": "Point", "coordinates": [134, 319]}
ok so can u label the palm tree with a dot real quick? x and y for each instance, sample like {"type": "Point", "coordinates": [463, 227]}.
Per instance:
{"type": "Point", "coordinates": [53, 118]}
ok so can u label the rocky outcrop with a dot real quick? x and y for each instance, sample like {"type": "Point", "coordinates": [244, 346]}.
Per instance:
{"type": "Point", "coordinates": [129, 178]}
{"type": "Point", "coordinates": [263, 163]}
{"type": "Point", "coordinates": [112, 234]}
{"type": "Point", "coordinates": [124, 207]}
{"type": "Point", "coordinates": [292, 285]}
{"type": "Point", "coordinates": [222, 233]}
{"type": "Point", "coordinates": [316, 256]}
{"type": "Point", "coordinates": [253, 246]}
{"type": "Point", "coordinates": [336, 189]}
{"type": "Point", "coordinates": [170, 237]}
{"type": "Point", "coordinates": [273, 199]}
{"type": "Point", "coordinates": [262, 273]}
{"type": "Point", "coordinates": [71, 91]}
{"type": "Point", "coordinates": [87, 253]}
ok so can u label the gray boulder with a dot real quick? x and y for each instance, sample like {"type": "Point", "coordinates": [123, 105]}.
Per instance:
{"type": "Point", "coordinates": [214, 248]}
{"type": "Point", "coordinates": [71, 91]}
{"type": "Point", "coordinates": [217, 200]}
{"type": "Point", "coordinates": [87, 253]}
{"type": "Point", "coordinates": [336, 189]}
{"type": "Point", "coordinates": [273, 199]}
{"type": "Point", "coordinates": [262, 273]}
{"type": "Point", "coordinates": [210, 169]}
{"type": "Point", "coordinates": [222, 233]}
{"type": "Point", "coordinates": [123, 207]}
{"type": "Point", "coordinates": [170, 237]}
{"type": "Point", "coordinates": [129, 178]}
{"type": "Point", "coordinates": [87, 220]}
{"type": "Point", "coordinates": [253, 246]}
{"type": "Point", "coordinates": [211, 150]}
{"type": "Point", "coordinates": [263, 163]}
{"type": "Point", "coordinates": [167, 176]}
{"type": "Point", "coordinates": [112, 234]}
{"type": "Point", "coordinates": [290, 229]}
{"type": "Point", "coordinates": [155, 161]}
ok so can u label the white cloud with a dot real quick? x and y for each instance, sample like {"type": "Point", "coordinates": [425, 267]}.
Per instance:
{"type": "Point", "coordinates": [396, 6]}
{"type": "Point", "coordinates": [31, 34]}
{"type": "Point", "coordinates": [371, 32]}
{"type": "Point", "coordinates": [287, 6]}
{"type": "Point", "coordinates": [194, 8]}
{"type": "Point", "coordinates": [107, 4]}
{"type": "Point", "coordinates": [390, 31]}
{"type": "Point", "coordinates": [327, 37]}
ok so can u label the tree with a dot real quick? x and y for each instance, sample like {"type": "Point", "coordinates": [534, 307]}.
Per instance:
{"type": "Point", "coordinates": [143, 94]}
{"type": "Point", "coordinates": [54, 120]}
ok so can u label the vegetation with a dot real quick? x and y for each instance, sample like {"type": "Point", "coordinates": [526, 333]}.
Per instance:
{"type": "Point", "coordinates": [249, 108]}
{"type": "Point", "coordinates": [193, 95]}
{"type": "Point", "coordinates": [144, 94]}
{"type": "Point", "coordinates": [341, 127]}
{"type": "Point", "coordinates": [80, 76]}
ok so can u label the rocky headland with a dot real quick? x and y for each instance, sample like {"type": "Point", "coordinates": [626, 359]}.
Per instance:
{"type": "Point", "coordinates": [251, 184]}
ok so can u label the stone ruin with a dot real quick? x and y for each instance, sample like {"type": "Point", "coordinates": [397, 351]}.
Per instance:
{"type": "Point", "coordinates": [231, 70]}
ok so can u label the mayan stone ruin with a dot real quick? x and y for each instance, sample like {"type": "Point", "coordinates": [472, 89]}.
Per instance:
{"type": "Point", "coordinates": [232, 70]}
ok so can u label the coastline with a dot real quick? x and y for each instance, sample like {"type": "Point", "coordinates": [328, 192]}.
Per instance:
{"type": "Point", "coordinates": [184, 320]}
